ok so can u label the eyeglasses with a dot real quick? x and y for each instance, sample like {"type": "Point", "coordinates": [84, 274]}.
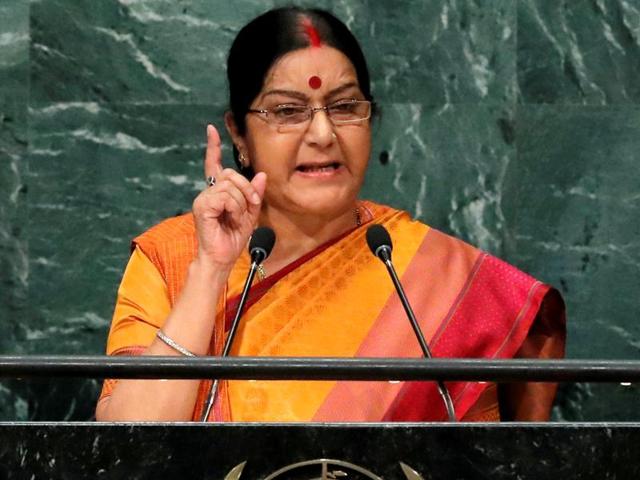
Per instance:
{"type": "Point", "coordinates": [343, 112]}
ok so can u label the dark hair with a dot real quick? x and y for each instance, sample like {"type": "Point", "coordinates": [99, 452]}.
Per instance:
{"type": "Point", "coordinates": [273, 34]}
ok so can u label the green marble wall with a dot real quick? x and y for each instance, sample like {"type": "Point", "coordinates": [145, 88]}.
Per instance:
{"type": "Point", "coordinates": [511, 124]}
{"type": "Point", "coordinates": [14, 269]}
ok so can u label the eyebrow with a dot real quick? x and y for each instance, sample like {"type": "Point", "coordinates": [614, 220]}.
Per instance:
{"type": "Point", "coordinates": [305, 98]}
{"type": "Point", "coordinates": [341, 89]}
{"type": "Point", "coordinates": [287, 93]}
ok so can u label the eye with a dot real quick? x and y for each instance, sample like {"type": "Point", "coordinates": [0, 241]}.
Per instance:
{"type": "Point", "coordinates": [287, 111]}
{"type": "Point", "coordinates": [344, 108]}
{"type": "Point", "coordinates": [290, 114]}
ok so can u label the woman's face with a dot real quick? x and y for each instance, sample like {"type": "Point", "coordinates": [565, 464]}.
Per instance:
{"type": "Point", "coordinates": [315, 167]}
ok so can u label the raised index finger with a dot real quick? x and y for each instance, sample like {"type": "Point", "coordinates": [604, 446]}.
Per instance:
{"type": "Point", "coordinates": [213, 154]}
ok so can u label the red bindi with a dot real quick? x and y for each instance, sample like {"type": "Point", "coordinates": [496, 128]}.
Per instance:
{"type": "Point", "coordinates": [315, 82]}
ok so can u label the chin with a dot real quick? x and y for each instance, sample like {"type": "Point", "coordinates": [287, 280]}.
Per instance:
{"type": "Point", "coordinates": [327, 204]}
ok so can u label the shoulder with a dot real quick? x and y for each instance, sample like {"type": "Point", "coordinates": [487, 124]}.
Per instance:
{"type": "Point", "coordinates": [489, 279]}
{"type": "Point", "coordinates": [445, 247]}
{"type": "Point", "coordinates": [483, 266]}
{"type": "Point", "coordinates": [404, 228]}
{"type": "Point", "coordinates": [173, 238]}
{"type": "Point", "coordinates": [169, 230]}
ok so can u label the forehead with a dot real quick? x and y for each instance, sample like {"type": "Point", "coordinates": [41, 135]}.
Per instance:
{"type": "Point", "coordinates": [293, 70]}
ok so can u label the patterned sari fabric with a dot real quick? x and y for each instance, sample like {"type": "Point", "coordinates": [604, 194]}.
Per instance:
{"type": "Point", "coordinates": [339, 302]}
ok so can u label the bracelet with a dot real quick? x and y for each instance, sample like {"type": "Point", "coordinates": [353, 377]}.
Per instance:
{"type": "Point", "coordinates": [176, 346]}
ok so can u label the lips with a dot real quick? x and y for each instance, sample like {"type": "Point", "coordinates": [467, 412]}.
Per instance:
{"type": "Point", "coordinates": [318, 167]}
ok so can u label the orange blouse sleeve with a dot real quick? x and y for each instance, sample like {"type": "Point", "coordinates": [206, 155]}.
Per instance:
{"type": "Point", "coordinates": [141, 309]}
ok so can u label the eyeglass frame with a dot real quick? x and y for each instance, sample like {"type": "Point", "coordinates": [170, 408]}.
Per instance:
{"type": "Point", "coordinates": [312, 111]}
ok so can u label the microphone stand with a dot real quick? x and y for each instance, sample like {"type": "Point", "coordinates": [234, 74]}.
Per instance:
{"type": "Point", "coordinates": [213, 392]}
{"type": "Point", "coordinates": [384, 253]}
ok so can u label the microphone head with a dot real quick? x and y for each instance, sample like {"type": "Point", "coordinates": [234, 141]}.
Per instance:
{"type": "Point", "coordinates": [262, 241]}
{"type": "Point", "coordinates": [379, 240]}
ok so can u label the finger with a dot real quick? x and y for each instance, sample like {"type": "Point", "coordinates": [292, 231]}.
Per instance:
{"type": "Point", "coordinates": [259, 183]}
{"type": "Point", "coordinates": [221, 207]}
{"type": "Point", "coordinates": [227, 187]}
{"type": "Point", "coordinates": [208, 206]}
{"type": "Point", "coordinates": [245, 186]}
{"type": "Point", "coordinates": [225, 209]}
{"type": "Point", "coordinates": [234, 212]}
{"type": "Point", "coordinates": [213, 153]}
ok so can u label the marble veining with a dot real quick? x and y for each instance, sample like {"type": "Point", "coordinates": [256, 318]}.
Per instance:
{"type": "Point", "coordinates": [14, 56]}
{"type": "Point", "coordinates": [579, 52]}
{"type": "Point", "coordinates": [511, 124]}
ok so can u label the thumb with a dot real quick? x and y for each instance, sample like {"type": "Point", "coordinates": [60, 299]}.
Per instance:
{"type": "Point", "coordinates": [259, 182]}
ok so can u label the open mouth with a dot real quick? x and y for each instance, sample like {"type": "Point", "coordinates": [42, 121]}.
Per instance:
{"type": "Point", "coordinates": [328, 167]}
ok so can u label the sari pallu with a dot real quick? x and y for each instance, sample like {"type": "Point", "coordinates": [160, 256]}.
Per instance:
{"type": "Point", "coordinates": [339, 302]}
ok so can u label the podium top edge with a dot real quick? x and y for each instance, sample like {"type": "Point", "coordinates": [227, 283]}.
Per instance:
{"type": "Point", "coordinates": [325, 425]}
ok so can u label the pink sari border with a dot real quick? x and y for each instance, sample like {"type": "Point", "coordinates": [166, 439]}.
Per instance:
{"type": "Point", "coordinates": [491, 320]}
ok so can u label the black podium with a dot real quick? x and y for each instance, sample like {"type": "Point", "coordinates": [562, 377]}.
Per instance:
{"type": "Point", "coordinates": [233, 451]}
{"type": "Point", "coordinates": [313, 451]}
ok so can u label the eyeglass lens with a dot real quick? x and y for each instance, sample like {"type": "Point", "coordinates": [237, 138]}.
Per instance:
{"type": "Point", "coordinates": [343, 112]}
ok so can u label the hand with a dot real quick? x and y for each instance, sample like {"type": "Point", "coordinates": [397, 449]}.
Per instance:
{"type": "Point", "coordinates": [227, 213]}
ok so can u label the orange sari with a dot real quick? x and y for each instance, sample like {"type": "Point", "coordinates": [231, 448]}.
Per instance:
{"type": "Point", "coordinates": [339, 302]}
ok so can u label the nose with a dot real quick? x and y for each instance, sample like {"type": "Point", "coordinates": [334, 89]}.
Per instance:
{"type": "Point", "coordinates": [320, 130]}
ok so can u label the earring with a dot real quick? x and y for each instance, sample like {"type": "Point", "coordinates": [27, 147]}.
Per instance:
{"type": "Point", "coordinates": [242, 159]}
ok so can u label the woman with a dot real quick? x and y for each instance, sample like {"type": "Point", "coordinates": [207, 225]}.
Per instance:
{"type": "Point", "coordinates": [300, 123]}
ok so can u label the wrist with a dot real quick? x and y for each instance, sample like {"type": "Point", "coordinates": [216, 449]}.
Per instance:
{"type": "Point", "coordinates": [211, 271]}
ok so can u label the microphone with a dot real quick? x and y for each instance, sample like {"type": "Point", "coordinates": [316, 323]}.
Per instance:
{"type": "Point", "coordinates": [260, 245]}
{"type": "Point", "coordinates": [379, 242]}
